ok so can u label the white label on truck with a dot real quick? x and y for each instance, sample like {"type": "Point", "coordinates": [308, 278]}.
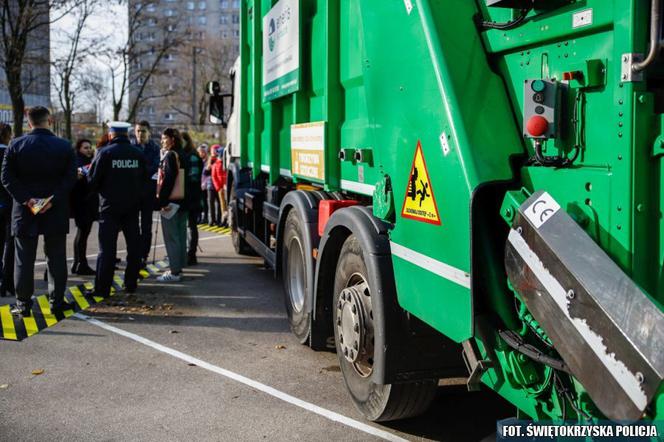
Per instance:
{"type": "Point", "coordinates": [360, 174]}
{"type": "Point", "coordinates": [542, 210]}
{"type": "Point", "coordinates": [308, 150]}
{"type": "Point", "coordinates": [444, 144]}
{"type": "Point", "coordinates": [583, 18]}
{"type": "Point", "coordinates": [409, 6]}
{"type": "Point", "coordinates": [281, 50]}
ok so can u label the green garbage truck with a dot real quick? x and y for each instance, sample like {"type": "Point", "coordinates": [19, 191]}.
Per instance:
{"type": "Point", "coordinates": [459, 188]}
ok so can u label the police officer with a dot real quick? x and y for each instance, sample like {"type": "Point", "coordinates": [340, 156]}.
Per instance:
{"type": "Point", "coordinates": [117, 174]}
{"type": "Point", "coordinates": [39, 171]}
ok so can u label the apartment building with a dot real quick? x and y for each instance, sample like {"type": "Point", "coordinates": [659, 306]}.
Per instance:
{"type": "Point", "coordinates": [195, 42]}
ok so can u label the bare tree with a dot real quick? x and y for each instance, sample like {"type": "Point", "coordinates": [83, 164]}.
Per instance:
{"type": "Point", "coordinates": [95, 89]}
{"type": "Point", "coordinates": [69, 74]}
{"type": "Point", "coordinates": [210, 60]}
{"type": "Point", "coordinates": [135, 63]}
{"type": "Point", "coordinates": [21, 21]}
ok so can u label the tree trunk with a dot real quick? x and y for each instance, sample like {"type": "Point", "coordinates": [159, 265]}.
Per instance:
{"type": "Point", "coordinates": [117, 108]}
{"type": "Point", "coordinates": [203, 110]}
{"type": "Point", "coordinates": [16, 94]}
{"type": "Point", "coordinates": [132, 113]}
{"type": "Point", "coordinates": [67, 108]}
{"type": "Point", "coordinates": [68, 125]}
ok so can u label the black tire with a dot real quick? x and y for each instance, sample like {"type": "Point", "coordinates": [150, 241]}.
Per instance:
{"type": "Point", "coordinates": [239, 243]}
{"type": "Point", "coordinates": [378, 403]}
{"type": "Point", "coordinates": [295, 276]}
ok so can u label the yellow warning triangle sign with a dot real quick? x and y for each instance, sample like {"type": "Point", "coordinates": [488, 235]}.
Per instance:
{"type": "Point", "coordinates": [419, 203]}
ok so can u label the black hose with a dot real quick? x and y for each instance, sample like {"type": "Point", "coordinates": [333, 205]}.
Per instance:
{"type": "Point", "coordinates": [567, 397]}
{"type": "Point", "coordinates": [559, 161]}
{"type": "Point", "coordinates": [523, 13]}
{"type": "Point", "coordinates": [516, 343]}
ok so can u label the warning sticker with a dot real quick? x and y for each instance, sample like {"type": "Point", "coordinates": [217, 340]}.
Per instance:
{"type": "Point", "coordinates": [419, 203]}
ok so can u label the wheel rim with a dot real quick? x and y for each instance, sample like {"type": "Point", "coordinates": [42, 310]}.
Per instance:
{"type": "Point", "coordinates": [296, 274]}
{"type": "Point", "coordinates": [355, 325]}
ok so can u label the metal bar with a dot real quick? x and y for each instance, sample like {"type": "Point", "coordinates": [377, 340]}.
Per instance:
{"type": "Point", "coordinates": [655, 18]}
{"type": "Point", "coordinates": [261, 248]}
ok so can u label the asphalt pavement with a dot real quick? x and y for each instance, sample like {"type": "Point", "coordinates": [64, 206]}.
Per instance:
{"type": "Point", "coordinates": [209, 358]}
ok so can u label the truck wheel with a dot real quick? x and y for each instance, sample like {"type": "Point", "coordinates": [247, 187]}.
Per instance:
{"type": "Point", "coordinates": [239, 244]}
{"type": "Point", "coordinates": [354, 337]}
{"type": "Point", "coordinates": [295, 276]}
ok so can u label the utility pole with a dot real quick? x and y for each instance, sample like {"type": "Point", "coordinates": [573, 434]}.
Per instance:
{"type": "Point", "coordinates": [193, 88]}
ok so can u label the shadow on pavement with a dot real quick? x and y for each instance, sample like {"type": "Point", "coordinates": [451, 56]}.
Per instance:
{"type": "Point", "coordinates": [263, 324]}
{"type": "Point", "coordinates": [457, 415]}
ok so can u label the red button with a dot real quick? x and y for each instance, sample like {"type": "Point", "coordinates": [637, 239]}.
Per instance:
{"type": "Point", "coordinates": [537, 126]}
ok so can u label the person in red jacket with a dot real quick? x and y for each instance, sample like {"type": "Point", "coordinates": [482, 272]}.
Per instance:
{"type": "Point", "coordinates": [219, 182]}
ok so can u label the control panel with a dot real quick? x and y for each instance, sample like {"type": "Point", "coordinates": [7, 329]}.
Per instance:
{"type": "Point", "coordinates": [540, 109]}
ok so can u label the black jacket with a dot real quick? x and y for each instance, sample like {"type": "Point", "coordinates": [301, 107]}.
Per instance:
{"type": "Point", "coordinates": [84, 202]}
{"type": "Point", "coordinates": [5, 197]}
{"type": "Point", "coordinates": [118, 174]}
{"type": "Point", "coordinates": [168, 168]}
{"type": "Point", "coordinates": [192, 188]}
{"type": "Point", "coordinates": [151, 151]}
{"type": "Point", "coordinates": [38, 165]}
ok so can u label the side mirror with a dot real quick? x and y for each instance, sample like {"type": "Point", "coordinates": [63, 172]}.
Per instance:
{"type": "Point", "coordinates": [213, 88]}
{"type": "Point", "coordinates": [220, 109]}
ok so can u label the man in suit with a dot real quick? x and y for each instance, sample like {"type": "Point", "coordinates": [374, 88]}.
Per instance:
{"type": "Point", "coordinates": [118, 173]}
{"type": "Point", "coordinates": [36, 166]}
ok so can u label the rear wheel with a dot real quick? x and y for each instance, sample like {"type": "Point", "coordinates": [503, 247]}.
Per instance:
{"type": "Point", "coordinates": [295, 276]}
{"type": "Point", "coordinates": [354, 336]}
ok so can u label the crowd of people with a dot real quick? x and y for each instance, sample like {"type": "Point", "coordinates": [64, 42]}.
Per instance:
{"type": "Point", "coordinates": [120, 184]}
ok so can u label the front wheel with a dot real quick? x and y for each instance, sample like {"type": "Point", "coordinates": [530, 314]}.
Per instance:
{"type": "Point", "coordinates": [239, 244]}
{"type": "Point", "coordinates": [354, 335]}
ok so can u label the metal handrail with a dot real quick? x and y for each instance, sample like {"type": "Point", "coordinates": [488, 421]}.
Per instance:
{"type": "Point", "coordinates": [655, 44]}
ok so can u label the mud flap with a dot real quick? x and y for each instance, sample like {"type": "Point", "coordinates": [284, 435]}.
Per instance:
{"type": "Point", "coordinates": [609, 333]}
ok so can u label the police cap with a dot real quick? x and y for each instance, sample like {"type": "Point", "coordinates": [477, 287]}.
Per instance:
{"type": "Point", "coordinates": [119, 127]}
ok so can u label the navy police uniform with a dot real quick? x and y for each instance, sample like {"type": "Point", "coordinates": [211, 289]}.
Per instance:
{"type": "Point", "coordinates": [118, 173]}
{"type": "Point", "coordinates": [40, 165]}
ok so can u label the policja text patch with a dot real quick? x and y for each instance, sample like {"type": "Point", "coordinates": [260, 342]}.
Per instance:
{"type": "Point", "coordinates": [124, 164]}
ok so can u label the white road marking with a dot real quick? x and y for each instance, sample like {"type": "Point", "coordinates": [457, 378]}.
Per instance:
{"type": "Point", "coordinates": [328, 414]}
{"type": "Point", "coordinates": [158, 246]}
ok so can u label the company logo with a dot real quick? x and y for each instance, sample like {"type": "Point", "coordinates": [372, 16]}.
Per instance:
{"type": "Point", "coordinates": [278, 27]}
{"type": "Point", "coordinates": [271, 37]}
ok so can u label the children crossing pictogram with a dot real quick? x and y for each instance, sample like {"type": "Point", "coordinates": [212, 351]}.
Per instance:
{"type": "Point", "coordinates": [420, 203]}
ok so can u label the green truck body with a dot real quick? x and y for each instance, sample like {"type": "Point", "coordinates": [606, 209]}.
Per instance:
{"type": "Point", "coordinates": [446, 119]}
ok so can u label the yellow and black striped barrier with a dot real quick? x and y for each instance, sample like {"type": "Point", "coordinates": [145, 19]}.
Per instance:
{"type": "Point", "coordinates": [15, 328]}
{"type": "Point", "coordinates": [214, 229]}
